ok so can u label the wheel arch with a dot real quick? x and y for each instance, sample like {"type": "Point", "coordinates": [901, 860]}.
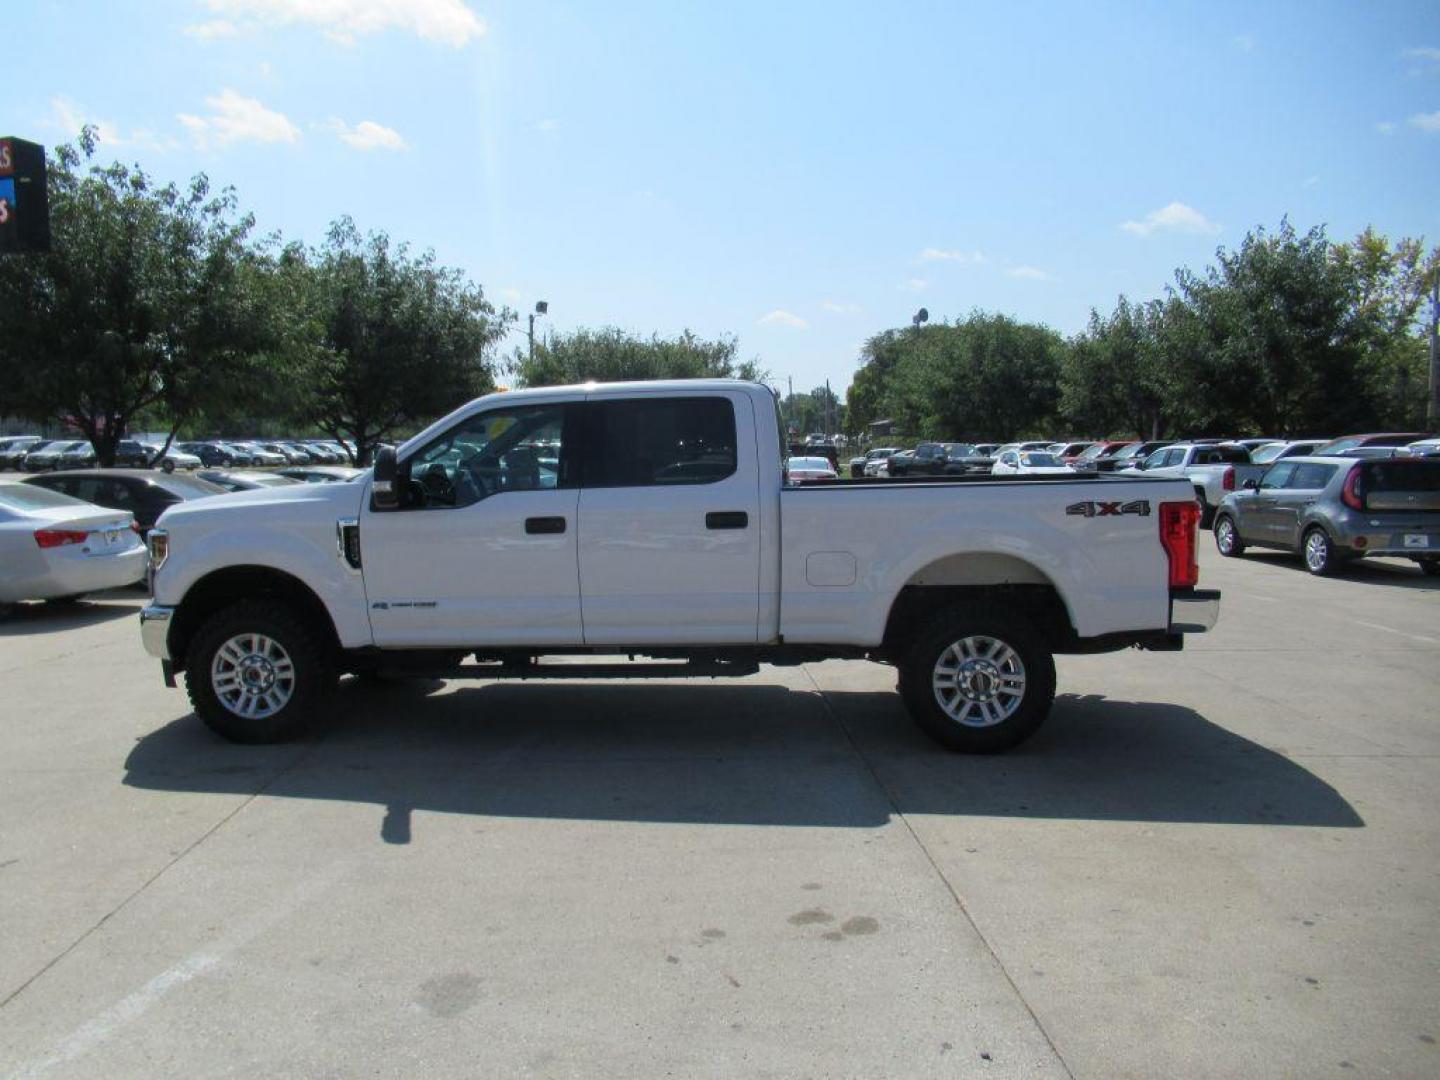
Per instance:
{"type": "Point", "coordinates": [980, 581]}
{"type": "Point", "coordinates": [221, 588]}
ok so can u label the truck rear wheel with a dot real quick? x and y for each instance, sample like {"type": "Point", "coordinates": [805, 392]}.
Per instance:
{"type": "Point", "coordinates": [978, 683]}
{"type": "Point", "coordinates": [256, 672]}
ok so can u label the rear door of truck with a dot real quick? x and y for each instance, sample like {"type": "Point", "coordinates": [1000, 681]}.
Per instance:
{"type": "Point", "coordinates": [670, 519]}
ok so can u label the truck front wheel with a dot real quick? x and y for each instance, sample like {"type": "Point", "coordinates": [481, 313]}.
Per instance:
{"type": "Point", "coordinates": [978, 683]}
{"type": "Point", "coordinates": [257, 673]}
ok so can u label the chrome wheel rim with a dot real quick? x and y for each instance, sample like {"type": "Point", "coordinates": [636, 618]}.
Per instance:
{"type": "Point", "coordinates": [252, 676]}
{"type": "Point", "coordinates": [1225, 535]}
{"type": "Point", "coordinates": [1316, 548]}
{"type": "Point", "coordinates": [979, 681]}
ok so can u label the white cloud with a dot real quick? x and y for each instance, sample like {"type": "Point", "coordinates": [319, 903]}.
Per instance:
{"type": "Point", "coordinates": [1424, 52]}
{"type": "Point", "coordinates": [237, 118]}
{"type": "Point", "coordinates": [779, 317]}
{"type": "Point", "coordinates": [1426, 122]}
{"type": "Point", "coordinates": [1244, 42]}
{"type": "Point", "coordinates": [914, 284]}
{"type": "Point", "coordinates": [1175, 217]}
{"type": "Point", "coordinates": [1311, 181]}
{"type": "Point", "coordinates": [449, 22]}
{"type": "Point", "coordinates": [367, 135]}
{"type": "Point", "coordinates": [511, 295]}
{"type": "Point", "coordinates": [68, 117]}
{"type": "Point", "coordinates": [837, 308]}
{"type": "Point", "coordinates": [931, 254]}
{"type": "Point", "coordinates": [215, 28]}
{"type": "Point", "coordinates": [1028, 273]}
{"type": "Point", "coordinates": [1386, 127]}
{"type": "Point", "coordinates": [548, 124]}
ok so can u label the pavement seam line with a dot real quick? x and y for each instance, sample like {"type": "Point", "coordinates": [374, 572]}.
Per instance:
{"type": "Point", "coordinates": [935, 866]}
{"type": "Point", "coordinates": [125, 902]}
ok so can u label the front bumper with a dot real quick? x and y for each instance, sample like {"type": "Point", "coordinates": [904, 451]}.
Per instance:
{"type": "Point", "coordinates": [155, 630]}
{"type": "Point", "coordinates": [1194, 612]}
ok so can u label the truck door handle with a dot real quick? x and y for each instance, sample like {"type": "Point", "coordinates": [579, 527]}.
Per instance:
{"type": "Point", "coordinates": [727, 519]}
{"type": "Point", "coordinates": [544, 526]}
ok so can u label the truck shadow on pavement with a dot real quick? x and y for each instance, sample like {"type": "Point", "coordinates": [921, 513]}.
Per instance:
{"type": "Point", "coordinates": [752, 753]}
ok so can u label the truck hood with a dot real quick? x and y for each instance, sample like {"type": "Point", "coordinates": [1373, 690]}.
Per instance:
{"type": "Point", "coordinates": [289, 505]}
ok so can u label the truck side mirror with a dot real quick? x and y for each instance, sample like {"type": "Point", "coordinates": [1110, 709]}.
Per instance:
{"type": "Point", "coordinates": [384, 495]}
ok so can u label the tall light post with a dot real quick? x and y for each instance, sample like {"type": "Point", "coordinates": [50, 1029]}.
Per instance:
{"type": "Point", "coordinates": [541, 307]}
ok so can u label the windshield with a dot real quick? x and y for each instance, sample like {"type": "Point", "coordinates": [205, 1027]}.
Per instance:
{"type": "Point", "coordinates": [1267, 453]}
{"type": "Point", "coordinates": [1037, 460]}
{"type": "Point", "coordinates": [811, 464]}
{"type": "Point", "coordinates": [188, 487]}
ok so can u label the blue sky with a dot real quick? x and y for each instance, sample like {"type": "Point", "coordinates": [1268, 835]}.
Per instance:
{"type": "Point", "coordinates": [801, 175]}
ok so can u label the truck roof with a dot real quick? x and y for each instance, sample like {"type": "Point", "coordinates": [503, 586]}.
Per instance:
{"type": "Point", "coordinates": [647, 386]}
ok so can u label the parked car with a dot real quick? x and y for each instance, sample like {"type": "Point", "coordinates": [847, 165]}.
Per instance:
{"type": "Point", "coordinates": [14, 447]}
{"type": "Point", "coordinates": [1251, 444]}
{"type": "Point", "coordinates": [1085, 461]}
{"type": "Point", "coordinates": [810, 468]}
{"type": "Point", "coordinates": [1029, 463]}
{"type": "Point", "coordinates": [53, 546]}
{"type": "Point", "coordinates": [81, 455]}
{"type": "Point", "coordinates": [1423, 448]}
{"type": "Point", "coordinates": [288, 454]}
{"type": "Point", "coordinates": [261, 456]}
{"type": "Point", "coordinates": [330, 474]}
{"type": "Point", "coordinates": [1331, 510]}
{"type": "Point", "coordinates": [144, 492]}
{"type": "Point", "coordinates": [1215, 469]}
{"type": "Point", "coordinates": [969, 589]}
{"type": "Point", "coordinates": [133, 454]}
{"type": "Point", "coordinates": [1129, 454]}
{"type": "Point", "coordinates": [1069, 453]}
{"type": "Point", "coordinates": [244, 480]}
{"type": "Point", "coordinates": [1271, 452]}
{"type": "Point", "coordinates": [1384, 439]}
{"type": "Point", "coordinates": [877, 462]}
{"type": "Point", "coordinates": [211, 455]}
{"type": "Point", "coordinates": [927, 459]}
{"type": "Point", "coordinates": [320, 453]}
{"type": "Point", "coordinates": [47, 456]}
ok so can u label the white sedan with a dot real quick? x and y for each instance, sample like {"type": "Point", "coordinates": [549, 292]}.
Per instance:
{"type": "Point", "coordinates": [52, 545]}
{"type": "Point", "coordinates": [1029, 463]}
{"type": "Point", "coordinates": [810, 468]}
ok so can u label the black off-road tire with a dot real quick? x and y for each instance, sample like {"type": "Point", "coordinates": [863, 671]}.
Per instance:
{"type": "Point", "coordinates": [1429, 567]}
{"type": "Point", "coordinates": [314, 671]}
{"type": "Point", "coordinates": [1324, 559]}
{"type": "Point", "coordinates": [1227, 537]}
{"type": "Point", "coordinates": [918, 668]}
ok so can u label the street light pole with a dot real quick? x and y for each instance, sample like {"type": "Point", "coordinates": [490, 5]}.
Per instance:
{"type": "Point", "coordinates": [541, 307]}
{"type": "Point", "coordinates": [1432, 411]}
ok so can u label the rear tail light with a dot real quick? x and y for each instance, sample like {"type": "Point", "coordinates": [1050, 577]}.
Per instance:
{"type": "Point", "coordinates": [53, 538]}
{"type": "Point", "coordinates": [1351, 494]}
{"type": "Point", "coordinates": [1228, 480]}
{"type": "Point", "coordinates": [1178, 524]}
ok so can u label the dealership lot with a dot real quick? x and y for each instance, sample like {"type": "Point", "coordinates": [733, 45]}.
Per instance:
{"type": "Point", "coordinates": [1224, 862]}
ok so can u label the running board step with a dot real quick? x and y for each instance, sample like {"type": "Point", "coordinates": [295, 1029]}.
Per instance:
{"type": "Point", "coordinates": [689, 670]}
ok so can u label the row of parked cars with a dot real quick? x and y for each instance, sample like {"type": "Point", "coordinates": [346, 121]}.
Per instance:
{"type": "Point", "coordinates": [32, 453]}
{"type": "Point", "coordinates": [64, 533]}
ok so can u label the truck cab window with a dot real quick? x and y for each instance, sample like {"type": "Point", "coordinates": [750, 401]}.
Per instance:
{"type": "Point", "coordinates": [642, 442]}
{"type": "Point", "coordinates": [488, 454]}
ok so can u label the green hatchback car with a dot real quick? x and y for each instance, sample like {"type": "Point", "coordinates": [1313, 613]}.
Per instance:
{"type": "Point", "coordinates": [1332, 510]}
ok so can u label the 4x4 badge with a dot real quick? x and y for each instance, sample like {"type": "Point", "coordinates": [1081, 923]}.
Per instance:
{"type": "Point", "coordinates": [1109, 509]}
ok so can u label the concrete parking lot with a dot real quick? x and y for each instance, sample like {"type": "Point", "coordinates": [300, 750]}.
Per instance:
{"type": "Point", "coordinates": [1223, 862]}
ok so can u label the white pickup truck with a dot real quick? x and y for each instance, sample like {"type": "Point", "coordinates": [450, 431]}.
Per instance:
{"type": "Point", "coordinates": [1215, 470]}
{"type": "Point", "coordinates": [654, 520]}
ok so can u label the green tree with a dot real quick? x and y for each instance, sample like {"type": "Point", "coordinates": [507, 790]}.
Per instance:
{"type": "Point", "coordinates": [138, 307]}
{"type": "Point", "coordinates": [393, 338]}
{"type": "Point", "coordinates": [1113, 380]}
{"type": "Point", "coordinates": [612, 355]}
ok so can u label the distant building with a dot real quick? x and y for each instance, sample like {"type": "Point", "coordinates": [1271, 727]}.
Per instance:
{"type": "Point", "coordinates": [881, 429]}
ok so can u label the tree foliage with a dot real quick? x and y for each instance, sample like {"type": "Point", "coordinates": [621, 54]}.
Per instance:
{"type": "Point", "coordinates": [397, 338]}
{"type": "Point", "coordinates": [612, 355]}
{"type": "Point", "coordinates": [139, 303]}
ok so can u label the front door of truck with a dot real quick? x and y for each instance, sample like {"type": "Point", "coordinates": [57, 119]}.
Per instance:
{"type": "Point", "coordinates": [482, 550]}
{"type": "Point", "coordinates": [670, 520]}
